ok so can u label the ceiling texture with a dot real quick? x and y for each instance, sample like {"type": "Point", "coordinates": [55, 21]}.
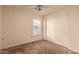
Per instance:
{"type": "Point", "coordinates": [46, 9]}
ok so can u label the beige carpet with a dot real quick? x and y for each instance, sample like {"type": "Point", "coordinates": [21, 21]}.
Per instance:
{"type": "Point", "coordinates": [39, 47]}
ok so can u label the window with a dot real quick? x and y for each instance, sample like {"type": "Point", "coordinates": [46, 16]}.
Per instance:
{"type": "Point", "coordinates": [36, 26]}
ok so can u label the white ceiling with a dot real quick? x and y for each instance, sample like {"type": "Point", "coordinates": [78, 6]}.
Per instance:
{"type": "Point", "coordinates": [48, 9]}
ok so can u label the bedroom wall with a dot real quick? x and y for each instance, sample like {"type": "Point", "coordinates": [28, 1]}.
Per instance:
{"type": "Point", "coordinates": [57, 27]}
{"type": "Point", "coordinates": [17, 23]}
{"type": "Point", "coordinates": [63, 27]}
{"type": "Point", "coordinates": [74, 28]}
{"type": "Point", "coordinates": [0, 28]}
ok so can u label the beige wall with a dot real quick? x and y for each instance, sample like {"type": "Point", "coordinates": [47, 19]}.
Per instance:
{"type": "Point", "coordinates": [57, 28]}
{"type": "Point", "coordinates": [17, 26]}
{"type": "Point", "coordinates": [63, 27]}
{"type": "Point", "coordinates": [0, 28]}
{"type": "Point", "coordinates": [74, 28]}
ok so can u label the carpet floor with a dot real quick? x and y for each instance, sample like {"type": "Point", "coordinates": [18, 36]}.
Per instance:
{"type": "Point", "coordinates": [38, 47]}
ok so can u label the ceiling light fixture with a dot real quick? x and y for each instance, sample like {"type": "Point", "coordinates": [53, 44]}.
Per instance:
{"type": "Point", "coordinates": [39, 7]}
